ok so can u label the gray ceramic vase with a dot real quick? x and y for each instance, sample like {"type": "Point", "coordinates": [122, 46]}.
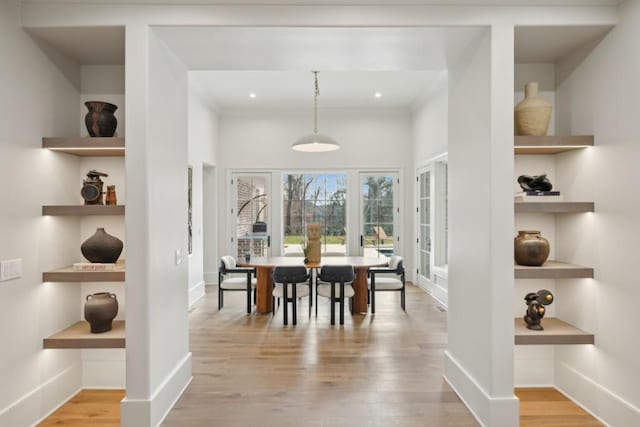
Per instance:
{"type": "Point", "coordinates": [99, 310]}
{"type": "Point", "coordinates": [102, 247]}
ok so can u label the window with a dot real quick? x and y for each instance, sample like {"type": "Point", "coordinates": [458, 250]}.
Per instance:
{"type": "Point", "coordinates": [314, 198]}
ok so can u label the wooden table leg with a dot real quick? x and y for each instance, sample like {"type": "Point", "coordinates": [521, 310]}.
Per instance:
{"type": "Point", "coordinates": [264, 288]}
{"type": "Point", "coordinates": [360, 291]}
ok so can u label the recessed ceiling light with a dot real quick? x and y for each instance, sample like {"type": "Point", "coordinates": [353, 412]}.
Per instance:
{"type": "Point", "coordinates": [378, 95]}
{"type": "Point", "coordinates": [252, 95]}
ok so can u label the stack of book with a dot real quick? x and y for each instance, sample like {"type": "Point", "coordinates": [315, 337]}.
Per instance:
{"type": "Point", "coordinates": [93, 266]}
{"type": "Point", "coordinates": [538, 196]}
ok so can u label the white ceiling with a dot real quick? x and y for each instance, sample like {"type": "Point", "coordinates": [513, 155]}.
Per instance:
{"type": "Point", "coordinates": [289, 90]}
{"type": "Point", "coordinates": [351, 2]}
{"type": "Point", "coordinates": [546, 45]}
{"type": "Point", "coordinates": [86, 45]}
{"type": "Point", "coordinates": [304, 49]}
{"type": "Point", "coordinates": [230, 62]}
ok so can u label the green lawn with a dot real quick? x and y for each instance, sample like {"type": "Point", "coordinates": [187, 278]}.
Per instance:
{"type": "Point", "coordinates": [292, 240]}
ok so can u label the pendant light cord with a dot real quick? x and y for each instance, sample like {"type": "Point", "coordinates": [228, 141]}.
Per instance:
{"type": "Point", "coordinates": [315, 103]}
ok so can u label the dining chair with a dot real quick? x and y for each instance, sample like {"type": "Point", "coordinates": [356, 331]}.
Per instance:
{"type": "Point", "coordinates": [290, 284]}
{"type": "Point", "coordinates": [234, 278]}
{"type": "Point", "coordinates": [387, 279]}
{"type": "Point", "coordinates": [334, 282]}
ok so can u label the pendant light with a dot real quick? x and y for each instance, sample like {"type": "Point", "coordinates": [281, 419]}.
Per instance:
{"type": "Point", "coordinates": [315, 142]}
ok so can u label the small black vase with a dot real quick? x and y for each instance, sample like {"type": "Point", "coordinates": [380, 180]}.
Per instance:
{"type": "Point", "coordinates": [100, 120]}
{"type": "Point", "coordinates": [102, 247]}
{"type": "Point", "coordinates": [99, 310]}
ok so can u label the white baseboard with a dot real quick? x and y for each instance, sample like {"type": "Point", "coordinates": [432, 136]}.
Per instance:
{"type": "Point", "coordinates": [603, 404]}
{"type": "Point", "coordinates": [151, 412]}
{"type": "Point", "coordinates": [489, 411]}
{"type": "Point", "coordinates": [437, 292]}
{"type": "Point", "coordinates": [32, 408]}
{"type": "Point", "coordinates": [195, 293]}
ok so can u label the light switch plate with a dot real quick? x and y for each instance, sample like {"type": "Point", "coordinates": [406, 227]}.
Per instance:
{"type": "Point", "coordinates": [10, 269]}
{"type": "Point", "coordinates": [178, 256]}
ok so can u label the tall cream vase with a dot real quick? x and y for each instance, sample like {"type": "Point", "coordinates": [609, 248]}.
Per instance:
{"type": "Point", "coordinates": [532, 114]}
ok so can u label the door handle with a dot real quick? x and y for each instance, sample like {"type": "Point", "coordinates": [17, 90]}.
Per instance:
{"type": "Point", "coordinates": [361, 241]}
{"type": "Point", "coordinates": [269, 241]}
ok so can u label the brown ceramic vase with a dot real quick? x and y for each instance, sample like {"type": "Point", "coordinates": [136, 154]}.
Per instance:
{"type": "Point", "coordinates": [99, 310]}
{"type": "Point", "coordinates": [530, 248]}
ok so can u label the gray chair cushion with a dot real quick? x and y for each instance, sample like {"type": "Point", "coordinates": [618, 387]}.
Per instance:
{"type": "Point", "coordinates": [394, 261]}
{"type": "Point", "coordinates": [324, 289]}
{"type": "Point", "coordinates": [229, 262]}
{"type": "Point", "coordinates": [301, 290]}
{"type": "Point", "coordinates": [385, 283]}
{"type": "Point", "coordinates": [237, 282]}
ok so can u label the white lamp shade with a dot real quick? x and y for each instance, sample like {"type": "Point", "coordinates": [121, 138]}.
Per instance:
{"type": "Point", "coordinates": [315, 143]}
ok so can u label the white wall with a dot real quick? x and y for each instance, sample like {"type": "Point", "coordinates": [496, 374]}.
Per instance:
{"type": "Point", "coordinates": [203, 136]}
{"type": "Point", "coordinates": [600, 97]}
{"type": "Point", "coordinates": [40, 91]}
{"type": "Point", "coordinates": [481, 223]}
{"type": "Point", "coordinates": [158, 357]}
{"type": "Point", "coordinates": [430, 122]}
{"type": "Point", "coordinates": [369, 140]}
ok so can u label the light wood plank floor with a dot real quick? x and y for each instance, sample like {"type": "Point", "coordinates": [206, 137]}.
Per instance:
{"type": "Point", "coordinates": [382, 370]}
{"type": "Point", "coordinates": [89, 407]}
{"type": "Point", "coordinates": [547, 407]}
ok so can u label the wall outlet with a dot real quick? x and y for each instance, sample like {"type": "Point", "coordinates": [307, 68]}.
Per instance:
{"type": "Point", "coordinates": [178, 256]}
{"type": "Point", "coordinates": [10, 269]}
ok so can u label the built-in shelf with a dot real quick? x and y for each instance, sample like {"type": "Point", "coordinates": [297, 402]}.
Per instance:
{"type": "Point", "coordinates": [79, 335]}
{"type": "Point", "coordinates": [553, 270]}
{"type": "Point", "coordinates": [555, 332]}
{"type": "Point", "coordinates": [86, 146]}
{"type": "Point", "coordinates": [551, 144]}
{"type": "Point", "coordinates": [554, 207]}
{"type": "Point", "coordinates": [68, 274]}
{"type": "Point", "coordinates": [83, 210]}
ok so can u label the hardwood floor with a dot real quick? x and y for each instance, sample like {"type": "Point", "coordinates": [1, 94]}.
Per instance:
{"type": "Point", "coordinates": [547, 407]}
{"type": "Point", "coordinates": [382, 370]}
{"type": "Point", "coordinates": [89, 407]}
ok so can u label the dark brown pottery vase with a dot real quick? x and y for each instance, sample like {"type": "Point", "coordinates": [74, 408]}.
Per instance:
{"type": "Point", "coordinates": [102, 247]}
{"type": "Point", "coordinates": [530, 248]}
{"type": "Point", "coordinates": [99, 310]}
{"type": "Point", "coordinates": [100, 120]}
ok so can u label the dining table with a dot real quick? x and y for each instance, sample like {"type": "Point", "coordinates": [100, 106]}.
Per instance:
{"type": "Point", "coordinates": [265, 265]}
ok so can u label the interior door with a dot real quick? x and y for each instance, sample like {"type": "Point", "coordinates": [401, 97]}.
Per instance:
{"type": "Point", "coordinates": [378, 214]}
{"type": "Point", "coordinates": [251, 214]}
{"type": "Point", "coordinates": [424, 203]}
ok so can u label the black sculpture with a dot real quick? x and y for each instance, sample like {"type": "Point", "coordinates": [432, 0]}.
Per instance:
{"type": "Point", "coordinates": [535, 183]}
{"type": "Point", "coordinates": [535, 308]}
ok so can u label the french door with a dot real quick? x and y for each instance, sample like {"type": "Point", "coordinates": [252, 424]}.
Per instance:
{"type": "Point", "coordinates": [424, 224]}
{"type": "Point", "coordinates": [251, 219]}
{"type": "Point", "coordinates": [378, 214]}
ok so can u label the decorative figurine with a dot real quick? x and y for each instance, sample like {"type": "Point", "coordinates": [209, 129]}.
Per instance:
{"type": "Point", "coordinates": [535, 183]}
{"type": "Point", "coordinates": [535, 308]}
{"type": "Point", "coordinates": [91, 190]}
{"type": "Point", "coordinates": [110, 198]}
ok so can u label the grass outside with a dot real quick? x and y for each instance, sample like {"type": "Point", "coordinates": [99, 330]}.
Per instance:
{"type": "Point", "coordinates": [299, 240]}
